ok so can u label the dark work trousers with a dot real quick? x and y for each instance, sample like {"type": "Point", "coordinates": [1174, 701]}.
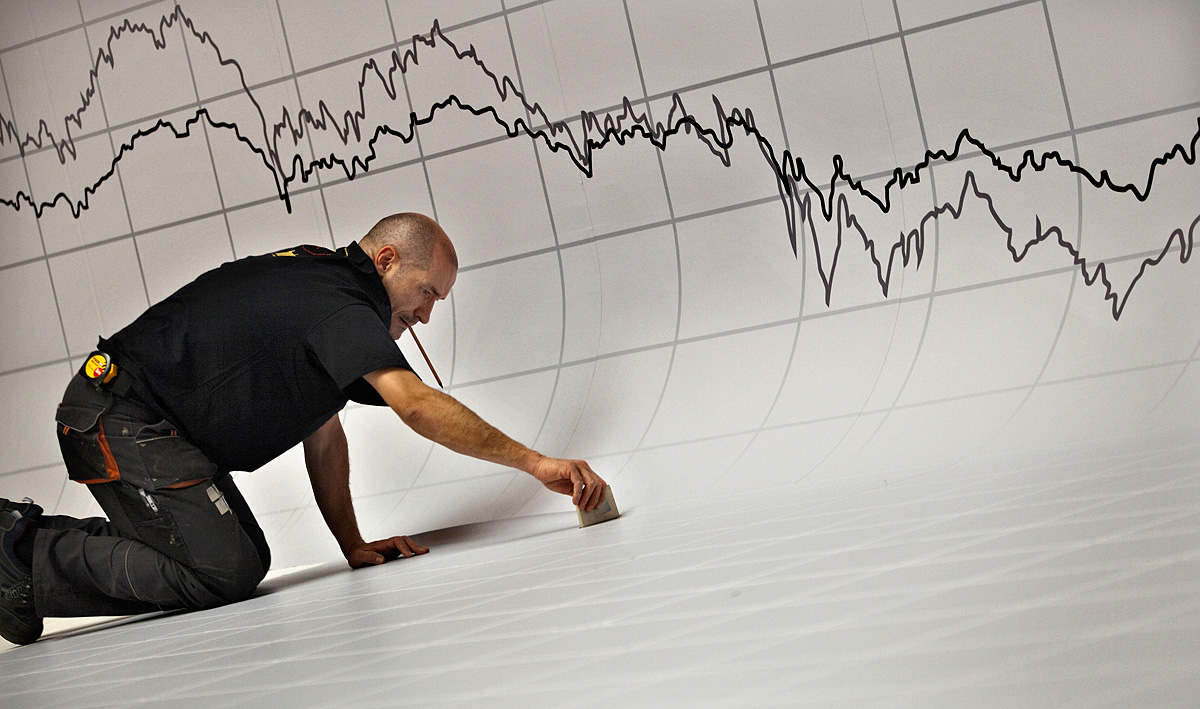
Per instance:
{"type": "Point", "coordinates": [179, 534]}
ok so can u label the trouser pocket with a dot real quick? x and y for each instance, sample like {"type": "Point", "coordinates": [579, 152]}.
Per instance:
{"type": "Point", "coordinates": [153, 522]}
{"type": "Point", "coordinates": [99, 446]}
{"type": "Point", "coordinates": [168, 460]}
{"type": "Point", "coordinates": [81, 436]}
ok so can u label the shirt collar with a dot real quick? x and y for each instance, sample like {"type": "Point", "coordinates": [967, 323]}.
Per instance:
{"type": "Point", "coordinates": [358, 257]}
{"type": "Point", "coordinates": [374, 285]}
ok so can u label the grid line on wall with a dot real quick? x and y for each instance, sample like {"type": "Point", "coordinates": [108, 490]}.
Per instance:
{"type": "Point", "coordinates": [1062, 323]}
{"type": "Point", "coordinates": [45, 258]}
{"type": "Point", "coordinates": [207, 144]}
{"type": "Point", "coordinates": [674, 234]}
{"type": "Point", "coordinates": [422, 157]}
{"type": "Point", "coordinates": [937, 239]}
{"type": "Point", "coordinates": [307, 131]}
{"type": "Point", "coordinates": [562, 276]}
{"type": "Point", "coordinates": [112, 146]}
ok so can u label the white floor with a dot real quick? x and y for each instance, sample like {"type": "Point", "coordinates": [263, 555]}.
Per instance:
{"type": "Point", "coordinates": [1070, 582]}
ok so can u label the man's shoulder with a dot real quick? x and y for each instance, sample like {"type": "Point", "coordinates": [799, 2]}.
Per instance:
{"type": "Point", "coordinates": [307, 251]}
{"type": "Point", "coordinates": [314, 268]}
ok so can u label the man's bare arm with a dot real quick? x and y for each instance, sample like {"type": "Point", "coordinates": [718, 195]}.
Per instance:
{"type": "Point", "coordinates": [327, 457]}
{"type": "Point", "coordinates": [443, 419]}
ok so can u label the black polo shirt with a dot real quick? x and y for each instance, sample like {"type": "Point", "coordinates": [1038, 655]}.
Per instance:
{"type": "Point", "coordinates": [252, 357]}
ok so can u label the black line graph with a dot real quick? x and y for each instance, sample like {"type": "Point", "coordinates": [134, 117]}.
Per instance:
{"type": "Point", "coordinates": [595, 131]}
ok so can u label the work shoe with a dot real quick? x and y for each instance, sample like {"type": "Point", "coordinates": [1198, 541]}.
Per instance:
{"type": "Point", "coordinates": [18, 622]}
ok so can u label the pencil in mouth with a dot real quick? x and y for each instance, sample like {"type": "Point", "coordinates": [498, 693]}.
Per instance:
{"type": "Point", "coordinates": [419, 347]}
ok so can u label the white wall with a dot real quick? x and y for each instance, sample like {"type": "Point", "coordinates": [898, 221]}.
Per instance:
{"type": "Point", "coordinates": [638, 306]}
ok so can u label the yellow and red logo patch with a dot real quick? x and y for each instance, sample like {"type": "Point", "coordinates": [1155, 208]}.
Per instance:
{"type": "Point", "coordinates": [96, 366]}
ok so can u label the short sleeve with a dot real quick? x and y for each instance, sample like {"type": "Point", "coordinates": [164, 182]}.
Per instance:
{"type": "Point", "coordinates": [353, 342]}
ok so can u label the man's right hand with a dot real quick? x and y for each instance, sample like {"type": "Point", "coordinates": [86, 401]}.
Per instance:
{"type": "Point", "coordinates": [571, 477]}
{"type": "Point", "coordinates": [372, 553]}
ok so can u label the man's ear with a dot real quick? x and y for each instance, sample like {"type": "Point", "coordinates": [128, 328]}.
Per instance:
{"type": "Point", "coordinates": [384, 258]}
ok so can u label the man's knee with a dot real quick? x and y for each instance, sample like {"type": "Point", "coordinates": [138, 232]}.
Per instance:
{"type": "Point", "coordinates": [228, 585]}
{"type": "Point", "coordinates": [226, 562]}
{"type": "Point", "coordinates": [241, 588]}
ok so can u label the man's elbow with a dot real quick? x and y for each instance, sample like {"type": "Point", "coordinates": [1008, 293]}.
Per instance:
{"type": "Point", "coordinates": [414, 410]}
{"type": "Point", "coordinates": [412, 414]}
{"type": "Point", "coordinates": [404, 394]}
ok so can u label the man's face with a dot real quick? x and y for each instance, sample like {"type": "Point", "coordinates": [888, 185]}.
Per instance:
{"type": "Point", "coordinates": [413, 291]}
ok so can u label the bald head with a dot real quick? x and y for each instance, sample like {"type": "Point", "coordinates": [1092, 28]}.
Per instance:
{"type": "Point", "coordinates": [415, 238]}
{"type": "Point", "coordinates": [416, 264]}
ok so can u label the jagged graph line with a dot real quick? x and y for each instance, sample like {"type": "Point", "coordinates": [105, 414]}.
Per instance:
{"type": "Point", "coordinates": [795, 185]}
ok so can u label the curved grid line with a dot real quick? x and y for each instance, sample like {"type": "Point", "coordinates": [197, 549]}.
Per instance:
{"type": "Point", "coordinates": [936, 240]}
{"type": "Point", "coordinates": [675, 237]}
{"type": "Point", "coordinates": [562, 276]}
{"type": "Point", "coordinates": [1062, 82]}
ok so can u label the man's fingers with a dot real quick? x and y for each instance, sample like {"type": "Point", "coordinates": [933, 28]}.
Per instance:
{"type": "Point", "coordinates": [408, 547]}
{"type": "Point", "coordinates": [584, 496]}
{"type": "Point", "coordinates": [587, 487]}
{"type": "Point", "coordinates": [595, 487]}
{"type": "Point", "coordinates": [397, 547]}
{"type": "Point", "coordinates": [596, 496]}
{"type": "Point", "coordinates": [578, 486]}
{"type": "Point", "coordinates": [575, 478]}
{"type": "Point", "coordinates": [386, 549]}
{"type": "Point", "coordinates": [365, 557]}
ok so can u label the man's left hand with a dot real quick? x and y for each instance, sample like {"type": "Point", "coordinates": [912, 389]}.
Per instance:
{"type": "Point", "coordinates": [372, 553]}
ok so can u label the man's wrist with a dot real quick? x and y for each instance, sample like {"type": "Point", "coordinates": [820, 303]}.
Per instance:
{"type": "Point", "coordinates": [349, 547]}
{"type": "Point", "coordinates": [530, 461]}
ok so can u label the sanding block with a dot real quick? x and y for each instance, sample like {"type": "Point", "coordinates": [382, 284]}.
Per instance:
{"type": "Point", "coordinates": [604, 511]}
